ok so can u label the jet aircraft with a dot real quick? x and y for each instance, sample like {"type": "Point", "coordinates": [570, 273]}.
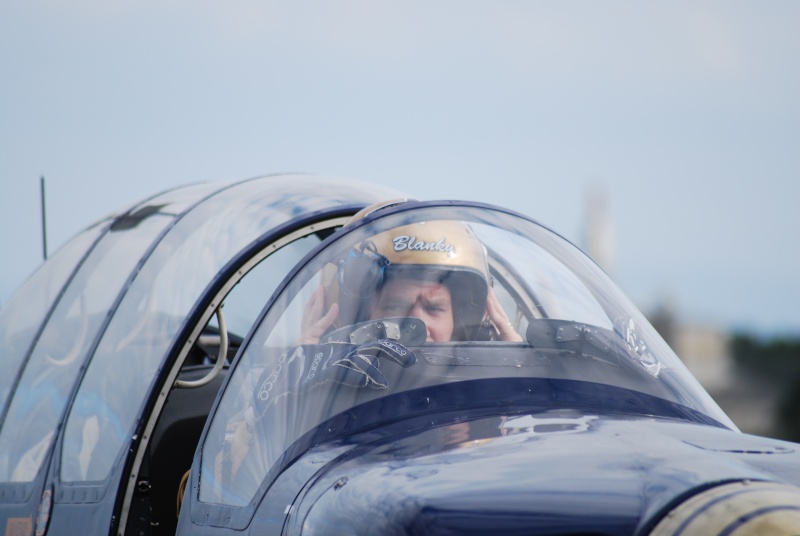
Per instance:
{"type": "Point", "coordinates": [313, 355]}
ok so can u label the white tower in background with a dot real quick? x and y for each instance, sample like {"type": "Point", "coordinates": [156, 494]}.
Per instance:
{"type": "Point", "coordinates": [598, 235]}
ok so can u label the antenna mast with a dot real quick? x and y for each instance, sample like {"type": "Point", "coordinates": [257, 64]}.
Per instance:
{"type": "Point", "coordinates": [44, 223]}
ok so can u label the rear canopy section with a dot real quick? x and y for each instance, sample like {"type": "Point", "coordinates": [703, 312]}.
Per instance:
{"type": "Point", "coordinates": [90, 338]}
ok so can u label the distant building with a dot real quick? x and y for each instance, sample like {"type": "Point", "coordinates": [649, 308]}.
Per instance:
{"type": "Point", "coordinates": [598, 235]}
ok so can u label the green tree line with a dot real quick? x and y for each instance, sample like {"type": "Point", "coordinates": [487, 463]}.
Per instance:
{"type": "Point", "coordinates": [776, 361]}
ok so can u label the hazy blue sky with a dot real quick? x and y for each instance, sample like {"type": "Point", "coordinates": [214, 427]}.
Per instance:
{"type": "Point", "coordinates": [686, 114]}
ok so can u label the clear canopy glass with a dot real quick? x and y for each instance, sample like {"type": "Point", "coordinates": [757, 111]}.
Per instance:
{"type": "Point", "coordinates": [22, 317]}
{"type": "Point", "coordinates": [162, 298]}
{"type": "Point", "coordinates": [419, 297]}
{"type": "Point", "coordinates": [71, 331]}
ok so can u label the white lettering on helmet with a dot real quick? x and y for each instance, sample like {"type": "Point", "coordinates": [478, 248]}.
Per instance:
{"type": "Point", "coordinates": [411, 243]}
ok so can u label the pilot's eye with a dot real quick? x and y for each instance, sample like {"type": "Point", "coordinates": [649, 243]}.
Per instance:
{"type": "Point", "coordinates": [395, 307]}
{"type": "Point", "coordinates": [434, 308]}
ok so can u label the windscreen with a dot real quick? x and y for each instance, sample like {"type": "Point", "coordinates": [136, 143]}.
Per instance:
{"type": "Point", "coordinates": [421, 297]}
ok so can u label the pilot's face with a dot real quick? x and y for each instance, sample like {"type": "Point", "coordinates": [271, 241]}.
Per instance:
{"type": "Point", "coordinates": [427, 300]}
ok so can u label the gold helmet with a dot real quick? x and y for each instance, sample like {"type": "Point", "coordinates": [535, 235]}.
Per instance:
{"type": "Point", "coordinates": [447, 252]}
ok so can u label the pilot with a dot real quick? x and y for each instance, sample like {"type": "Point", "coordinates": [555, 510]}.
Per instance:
{"type": "Point", "coordinates": [434, 271]}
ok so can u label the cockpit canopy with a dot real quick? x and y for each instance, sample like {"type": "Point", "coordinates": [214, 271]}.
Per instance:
{"type": "Point", "coordinates": [420, 296]}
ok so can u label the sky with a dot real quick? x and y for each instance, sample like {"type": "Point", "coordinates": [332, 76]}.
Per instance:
{"type": "Point", "coordinates": [684, 116]}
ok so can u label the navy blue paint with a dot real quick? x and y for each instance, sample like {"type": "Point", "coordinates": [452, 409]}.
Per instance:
{"type": "Point", "coordinates": [521, 488]}
{"type": "Point", "coordinates": [660, 464]}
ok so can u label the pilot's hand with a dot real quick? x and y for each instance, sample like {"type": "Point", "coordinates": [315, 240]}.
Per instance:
{"type": "Point", "coordinates": [314, 321]}
{"type": "Point", "coordinates": [505, 330]}
{"type": "Point", "coordinates": [359, 366]}
{"type": "Point", "coordinates": [309, 366]}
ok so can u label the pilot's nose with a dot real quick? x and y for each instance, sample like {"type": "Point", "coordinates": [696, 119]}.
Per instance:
{"type": "Point", "coordinates": [418, 311]}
